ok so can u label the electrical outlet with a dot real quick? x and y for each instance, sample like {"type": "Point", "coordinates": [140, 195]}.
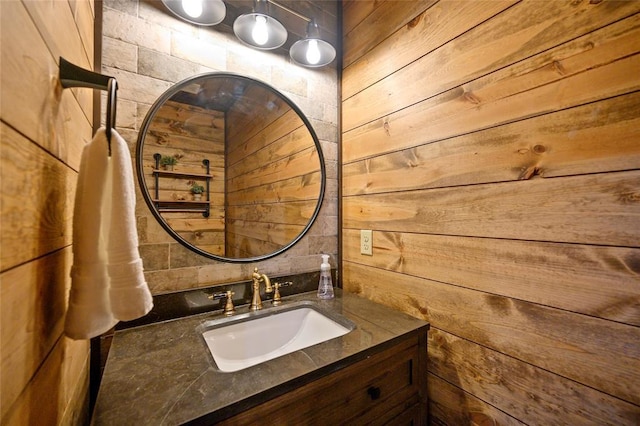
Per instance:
{"type": "Point", "coordinates": [366, 242]}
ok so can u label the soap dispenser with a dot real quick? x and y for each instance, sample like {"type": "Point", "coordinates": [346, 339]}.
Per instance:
{"type": "Point", "coordinates": [325, 286]}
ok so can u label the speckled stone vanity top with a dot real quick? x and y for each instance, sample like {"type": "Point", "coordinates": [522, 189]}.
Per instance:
{"type": "Point", "coordinates": [163, 374]}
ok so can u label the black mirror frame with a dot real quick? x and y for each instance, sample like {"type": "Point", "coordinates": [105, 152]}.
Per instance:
{"type": "Point", "coordinates": [147, 196]}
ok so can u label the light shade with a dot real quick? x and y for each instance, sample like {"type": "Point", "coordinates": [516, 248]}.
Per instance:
{"type": "Point", "coordinates": [199, 12]}
{"type": "Point", "coordinates": [260, 30]}
{"type": "Point", "coordinates": [312, 51]}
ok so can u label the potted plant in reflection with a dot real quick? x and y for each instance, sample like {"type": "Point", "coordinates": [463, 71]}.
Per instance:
{"type": "Point", "coordinates": [196, 190]}
{"type": "Point", "coordinates": [168, 161]}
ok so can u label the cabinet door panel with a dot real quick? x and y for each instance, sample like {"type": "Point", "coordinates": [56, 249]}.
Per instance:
{"type": "Point", "coordinates": [381, 389]}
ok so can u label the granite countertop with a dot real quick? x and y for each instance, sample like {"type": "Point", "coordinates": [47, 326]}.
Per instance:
{"type": "Point", "coordinates": [163, 373]}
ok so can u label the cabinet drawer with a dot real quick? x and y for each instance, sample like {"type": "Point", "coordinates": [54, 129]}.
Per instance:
{"type": "Point", "coordinates": [379, 395]}
{"type": "Point", "coordinates": [376, 390]}
{"type": "Point", "coordinates": [414, 416]}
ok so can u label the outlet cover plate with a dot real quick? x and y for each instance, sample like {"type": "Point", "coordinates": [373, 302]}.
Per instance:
{"type": "Point", "coordinates": [366, 242]}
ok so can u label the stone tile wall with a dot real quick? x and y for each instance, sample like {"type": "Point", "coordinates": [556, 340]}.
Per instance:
{"type": "Point", "coordinates": [148, 51]}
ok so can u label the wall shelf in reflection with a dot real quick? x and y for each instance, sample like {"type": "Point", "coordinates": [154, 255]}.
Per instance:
{"type": "Point", "coordinates": [182, 206]}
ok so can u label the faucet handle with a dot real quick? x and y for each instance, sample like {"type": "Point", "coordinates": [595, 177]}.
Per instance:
{"type": "Point", "coordinates": [229, 309]}
{"type": "Point", "coordinates": [276, 295]}
{"type": "Point", "coordinates": [217, 296]}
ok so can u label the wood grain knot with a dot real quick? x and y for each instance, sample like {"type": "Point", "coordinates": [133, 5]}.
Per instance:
{"type": "Point", "coordinates": [471, 98]}
{"type": "Point", "coordinates": [386, 127]}
{"type": "Point", "coordinates": [557, 66]}
{"type": "Point", "coordinates": [628, 197]}
{"type": "Point", "coordinates": [539, 149]}
{"type": "Point", "coordinates": [633, 263]}
{"type": "Point", "coordinates": [415, 21]}
{"type": "Point", "coordinates": [176, 126]}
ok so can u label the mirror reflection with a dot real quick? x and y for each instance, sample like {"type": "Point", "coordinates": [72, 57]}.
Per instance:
{"type": "Point", "coordinates": [230, 167]}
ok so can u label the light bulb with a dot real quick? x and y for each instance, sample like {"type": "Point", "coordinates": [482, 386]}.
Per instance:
{"type": "Point", "coordinates": [193, 8]}
{"type": "Point", "coordinates": [260, 33]}
{"type": "Point", "coordinates": [313, 53]}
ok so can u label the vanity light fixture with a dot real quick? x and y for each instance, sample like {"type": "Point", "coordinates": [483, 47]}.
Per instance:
{"type": "Point", "coordinates": [262, 31]}
{"type": "Point", "coordinates": [312, 51]}
{"type": "Point", "coordinates": [258, 29]}
{"type": "Point", "coordinates": [199, 12]}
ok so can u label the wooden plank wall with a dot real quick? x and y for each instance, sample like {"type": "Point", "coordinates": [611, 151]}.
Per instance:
{"type": "Point", "coordinates": [493, 147]}
{"type": "Point", "coordinates": [271, 193]}
{"type": "Point", "coordinates": [202, 138]}
{"type": "Point", "coordinates": [43, 375]}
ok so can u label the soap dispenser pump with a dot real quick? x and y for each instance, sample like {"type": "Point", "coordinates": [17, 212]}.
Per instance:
{"type": "Point", "coordinates": [325, 286]}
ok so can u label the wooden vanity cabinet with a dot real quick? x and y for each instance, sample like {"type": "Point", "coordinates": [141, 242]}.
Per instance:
{"type": "Point", "coordinates": [388, 387]}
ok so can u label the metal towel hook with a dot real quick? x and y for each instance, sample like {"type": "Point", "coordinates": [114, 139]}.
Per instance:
{"type": "Point", "coordinates": [74, 76]}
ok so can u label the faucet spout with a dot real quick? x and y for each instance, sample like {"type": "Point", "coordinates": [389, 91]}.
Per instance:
{"type": "Point", "coordinates": [256, 302]}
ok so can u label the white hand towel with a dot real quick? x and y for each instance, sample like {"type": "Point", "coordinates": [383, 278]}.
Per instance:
{"type": "Point", "coordinates": [129, 293]}
{"type": "Point", "coordinates": [107, 283]}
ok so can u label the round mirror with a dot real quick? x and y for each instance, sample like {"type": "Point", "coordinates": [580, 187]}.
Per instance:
{"type": "Point", "coordinates": [230, 167]}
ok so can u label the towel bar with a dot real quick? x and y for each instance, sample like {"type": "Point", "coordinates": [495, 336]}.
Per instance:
{"type": "Point", "coordinates": [74, 76]}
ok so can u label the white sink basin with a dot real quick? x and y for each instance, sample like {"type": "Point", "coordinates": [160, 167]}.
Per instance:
{"type": "Point", "coordinates": [249, 339]}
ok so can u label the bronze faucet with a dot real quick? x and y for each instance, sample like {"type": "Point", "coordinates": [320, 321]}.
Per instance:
{"type": "Point", "coordinates": [256, 303]}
